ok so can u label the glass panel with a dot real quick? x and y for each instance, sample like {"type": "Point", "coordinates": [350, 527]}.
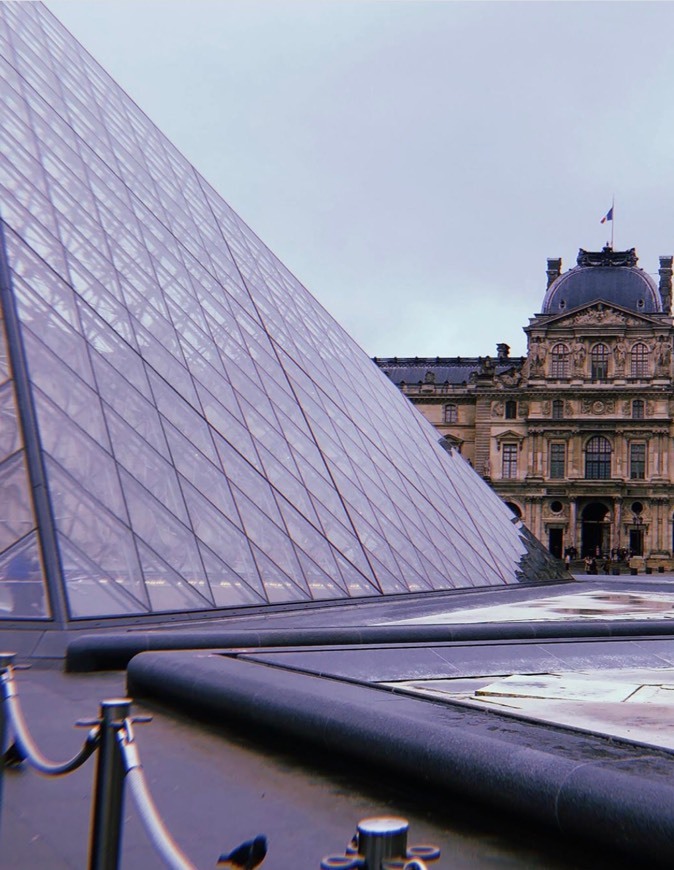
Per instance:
{"type": "Point", "coordinates": [183, 415]}
{"type": "Point", "coordinates": [279, 586]}
{"type": "Point", "coordinates": [65, 389]}
{"type": "Point", "coordinates": [229, 589]}
{"type": "Point", "coordinates": [224, 539]}
{"type": "Point", "coordinates": [10, 437]}
{"type": "Point", "coordinates": [320, 585]}
{"type": "Point", "coordinates": [201, 473]}
{"type": "Point", "coordinates": [22, 587]}
{"type": "Point", "coordinates": [53, 331]}
{"type": "Point", "coordinates": [16, 509]}
{"type": "Point", "coordinates": [146, 466]}
{"type": "Point", "coordinates": [166, 535]}
{"type": "Point", "coordinates": [130, 405]}
{"type": "Point", "coordinates": [94, 531]}
{"type": "Point", "coordinates": [166, 588]}
{"type": "Point", "coordinates": [92, 467]}
{"type": "Point", "coordinates": [90, 590]}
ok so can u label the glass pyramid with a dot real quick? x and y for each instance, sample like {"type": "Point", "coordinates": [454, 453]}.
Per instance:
{"type": "Point", "coordinates": [184, 428]}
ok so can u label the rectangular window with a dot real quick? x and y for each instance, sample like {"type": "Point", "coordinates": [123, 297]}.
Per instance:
{"type": "Point", "coordinates": [450, 414]}
{"type": "Point", "coordinates": [637, 461]}
{"type": "Point", "coordinates": [509, 460]}
{"type": "Point", "coordinates": [557, 461]}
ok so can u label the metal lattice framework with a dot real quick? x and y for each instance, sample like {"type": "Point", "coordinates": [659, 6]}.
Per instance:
{"type": "Point", "coordinates": [183, 426]}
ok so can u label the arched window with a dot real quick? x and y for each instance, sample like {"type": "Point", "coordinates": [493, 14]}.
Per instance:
{"type": "Point", "coordinates": [638, 409]}
{"type": "Point", "coordinates": [557, 409]}
{"type": "Point", "coordinates": [597, 458]}
{"type": "Point", "coordinates": [515, 509]}
{"type": "Point", "coordinates": [559, 361]}
{"type": "Point", "coordinates": [450, 414]}
{"type": "Point", "coordinates": [510, 409]}
{"type": "Point", "coordinates": [639, 355]}
{"type": "Point", "coordinates": [599, 362]}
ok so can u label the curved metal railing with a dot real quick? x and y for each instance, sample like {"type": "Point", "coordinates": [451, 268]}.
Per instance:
{"type": "Point", "coordinates": [118, 762]}
{"type": "Point", "coordinates": [155, 828]}
{"type": "Point", "coordinates": [24, 747]}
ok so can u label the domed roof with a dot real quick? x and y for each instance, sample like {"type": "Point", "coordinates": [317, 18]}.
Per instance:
{"type": "Point", "coordinates": [612, 276]}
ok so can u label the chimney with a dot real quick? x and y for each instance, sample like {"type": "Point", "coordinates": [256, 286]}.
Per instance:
{"type": "Point", "coordinates": [554, 269]}
{"type": "Point", "coordinates": [502, 351]}
{"type": "Point", "coordinates": [666, 283]}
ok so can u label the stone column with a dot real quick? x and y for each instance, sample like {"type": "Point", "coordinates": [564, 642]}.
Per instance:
{"type": "Point", "coordinates": [539, 518]}
{"type": "Point", "coordinates": [665, 457]}
{"type": "Point", "coordinates": [617, 523]}
{"type": "Point", "coordinates": [531, 452]}
{"type": "Point", "coordinates": [573, 522]}
{"type": "Point", "coordinates": [654, 451]}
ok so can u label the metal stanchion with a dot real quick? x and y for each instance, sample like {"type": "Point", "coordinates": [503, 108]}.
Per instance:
{"type": "Point", "coordinates": [6, 660]}
{"type": "Point", "coordinates": [118, 758]}
{"type": "Point", "coordinates": [381, 838]}
{"type": "Point", "coordinates": [381, 844]}
{"type": "Point", "coordinates": [106, 822]}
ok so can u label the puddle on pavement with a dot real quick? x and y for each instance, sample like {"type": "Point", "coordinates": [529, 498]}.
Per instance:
{"type": "Point", "coordinates": [600, 604]}
{"type": "Point", "coordinates": [632, 704]}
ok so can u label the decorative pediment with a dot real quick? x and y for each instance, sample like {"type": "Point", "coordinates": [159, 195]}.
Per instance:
{"type": "Point", "coordinates": [450, 441]}
{"type": "Point", "coordinates": [597, 314]}
{"type": "Point", "coordinates": [508, 437]}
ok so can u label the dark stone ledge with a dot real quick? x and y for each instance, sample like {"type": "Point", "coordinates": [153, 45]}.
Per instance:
{"type": "Point", "coordinates": [600, 790]}
{"type": "Point", "coordinates": [113, 651]}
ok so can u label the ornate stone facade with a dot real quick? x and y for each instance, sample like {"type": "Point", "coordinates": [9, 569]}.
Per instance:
{"type": "Point", "coordinates": [577, 435]}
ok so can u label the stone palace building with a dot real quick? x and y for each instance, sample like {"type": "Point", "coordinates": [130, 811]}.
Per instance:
{"type": "Point", "coordinates": [577, 435]}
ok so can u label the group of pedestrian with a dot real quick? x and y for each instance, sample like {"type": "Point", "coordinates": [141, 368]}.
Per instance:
{"type": "Point", "coordinates": [591, 566]}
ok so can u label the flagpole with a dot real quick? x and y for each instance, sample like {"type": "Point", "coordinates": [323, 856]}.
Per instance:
{"type": "Point", "coordinates": [613, 219]}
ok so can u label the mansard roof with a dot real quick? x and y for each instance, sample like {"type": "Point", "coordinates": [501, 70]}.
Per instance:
{"type": "Point", "coordinates": [606, 275]}
{"type": "Point", "coordinates": [455, 370]}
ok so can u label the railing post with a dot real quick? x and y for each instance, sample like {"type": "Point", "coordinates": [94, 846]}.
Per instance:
{"type": "Point", "coordinates": [106, 821]}
{"type": "Point", "coordinates": [6, 661]}
{"type": "Point", "coordinates": [381, 838]}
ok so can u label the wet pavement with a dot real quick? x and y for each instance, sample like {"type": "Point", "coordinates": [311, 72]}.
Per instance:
{"type": "Point", "coordinates": [218, 786]}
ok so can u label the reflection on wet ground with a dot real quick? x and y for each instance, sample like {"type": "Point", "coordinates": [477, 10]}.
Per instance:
{"type": "Point", "coordinates": [631, 704]}
{"type": "Point", "coordinates": [596, 604]}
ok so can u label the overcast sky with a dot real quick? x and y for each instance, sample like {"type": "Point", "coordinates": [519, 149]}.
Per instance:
{"type": "Point", "coordinates": [413, 163]}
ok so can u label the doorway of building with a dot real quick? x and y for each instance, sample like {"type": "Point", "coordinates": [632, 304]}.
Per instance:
{"type": "Point", "coordinates": [555, 542]}
{"type": "Point", "coordinates": [596, 532]}
{"type": "Point", "coordinates": [637, 542]}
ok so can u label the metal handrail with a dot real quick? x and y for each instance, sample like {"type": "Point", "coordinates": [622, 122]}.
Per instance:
{"type": "Point", "coordinates": [24, 747]}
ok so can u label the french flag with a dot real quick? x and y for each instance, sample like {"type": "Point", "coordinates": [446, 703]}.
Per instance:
{"type": "Point", "coordinates": [608, 216]}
